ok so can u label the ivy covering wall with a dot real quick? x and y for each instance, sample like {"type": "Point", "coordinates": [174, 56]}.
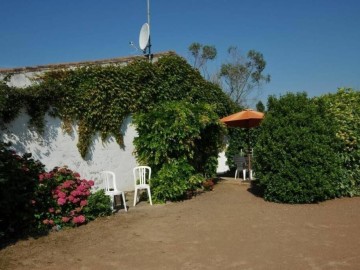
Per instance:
{"type": "Point", "coordinates": [99, 98]}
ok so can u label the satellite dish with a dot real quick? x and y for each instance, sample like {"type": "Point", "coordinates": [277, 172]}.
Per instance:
{"type": "Point", "coordinates": [144, 36]}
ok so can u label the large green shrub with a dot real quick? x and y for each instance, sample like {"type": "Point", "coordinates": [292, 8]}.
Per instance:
{"type": "Point", "coordinates": [297, 152]}
{"type": "Point", "coordinates": [344, 108]}
{"type": "Point", "coordinates": [178, 132]}
{"type": "Point", "coordinates": [172, 181]}
{"type": "Point", "coordinates": [18, 180]}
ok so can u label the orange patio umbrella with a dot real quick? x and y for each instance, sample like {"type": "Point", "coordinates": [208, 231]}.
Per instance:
{"type": "Point", "coordinates": [244, 119]}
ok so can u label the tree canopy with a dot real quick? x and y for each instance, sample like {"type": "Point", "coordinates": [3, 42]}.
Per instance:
{"type": "Point", "coordinates": [239, 76]}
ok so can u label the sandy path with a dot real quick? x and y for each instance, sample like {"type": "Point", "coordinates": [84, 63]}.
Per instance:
{"type": "Point", "coordinates": [228, 228]}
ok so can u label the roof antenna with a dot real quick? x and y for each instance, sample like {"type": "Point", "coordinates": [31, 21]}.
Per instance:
{"type": "Point", "coordinates": [131, 44]}
{"type": "Point", "coordinates": [144, 37]}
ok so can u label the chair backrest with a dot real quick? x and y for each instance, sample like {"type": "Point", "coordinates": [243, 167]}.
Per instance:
{"type": "Point", "coordinates": [240, 162]}
{"type": "Point", "coordinates": [142, 175]}
{"type": "Point", "coordinates": [108, 181]}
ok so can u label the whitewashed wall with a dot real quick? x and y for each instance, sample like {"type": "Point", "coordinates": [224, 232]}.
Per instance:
{"type": "Point", "coordinates": [21, 79]}
{"type": "Point", "coordinates": [56, 148]}
{"type": "Point", "coordinates": [222, 167]}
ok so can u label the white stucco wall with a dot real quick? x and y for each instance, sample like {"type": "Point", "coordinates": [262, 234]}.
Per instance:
{"type": "Point", "coordinates": [22, 79]}
{"type": "Point", "coordinates": [222, 167]}
{"type": "Point", "coordinates": [56, 148]}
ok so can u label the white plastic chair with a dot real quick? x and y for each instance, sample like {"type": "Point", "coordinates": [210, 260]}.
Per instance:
{"type": "Point", "coordinates": [109, 185]}
{"type": "Point", "coordinates": [240, 163]}
{"type": "Point", "coordinates": [142, 176]}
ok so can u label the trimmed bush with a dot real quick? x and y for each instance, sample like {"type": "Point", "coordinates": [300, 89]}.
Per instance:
{"type": "Point", "coordinates": [297, 152]}
{"type": "Point", "coordinates": [99, 205]}
{"type": "Point", "coordinates": [344, 108]}
{"type": "Point", "coordinates": [173, 181]}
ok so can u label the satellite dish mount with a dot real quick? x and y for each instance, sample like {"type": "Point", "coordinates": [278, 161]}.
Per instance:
{"type": "Point", "coordinates": [144, 37]}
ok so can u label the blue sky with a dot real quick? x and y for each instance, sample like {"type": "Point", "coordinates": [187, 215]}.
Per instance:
{"type": "Point", "coordinates": [309, 45]}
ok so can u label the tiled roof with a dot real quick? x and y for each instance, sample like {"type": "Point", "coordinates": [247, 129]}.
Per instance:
{"type": "Point", "coordinates": [119, 60]}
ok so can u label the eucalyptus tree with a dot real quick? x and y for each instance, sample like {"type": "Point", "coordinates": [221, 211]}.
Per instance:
{"type": "Point", "coordinates": [201, 55]}
{"type": "Point", "coordinates": [242, 75]}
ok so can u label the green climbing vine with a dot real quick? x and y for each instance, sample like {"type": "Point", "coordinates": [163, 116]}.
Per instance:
{"type": "Point", "coordinates": [99, 98]}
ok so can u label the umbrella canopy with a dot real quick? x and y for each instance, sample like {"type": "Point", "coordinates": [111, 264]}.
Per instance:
{"type": "Point", "coordinates": [244, 119]}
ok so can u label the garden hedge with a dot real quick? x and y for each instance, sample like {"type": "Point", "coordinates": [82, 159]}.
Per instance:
{"type": "Point", "coordinates": [297, 152]}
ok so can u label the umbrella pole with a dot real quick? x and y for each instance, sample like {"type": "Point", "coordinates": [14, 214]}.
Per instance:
{"type": "Point", "coordinates": [249, 152]}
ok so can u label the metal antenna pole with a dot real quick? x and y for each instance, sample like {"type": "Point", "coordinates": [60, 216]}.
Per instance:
{"type": "Point", "coordinates": [148, 19]}
{"type": "Point", "coordinates": [148, 11]}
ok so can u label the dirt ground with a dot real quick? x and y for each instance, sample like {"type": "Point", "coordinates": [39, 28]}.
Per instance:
{"type": "Point", "coordinates": [227, 228]}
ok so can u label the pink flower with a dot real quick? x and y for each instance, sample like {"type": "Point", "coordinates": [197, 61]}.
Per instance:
{"type": "Point", "coordinates": [79, 219]}
{"type": "Point", "coordinates": [91, 183]}
{"type": "Point", "coordinates": [71, 198]}
{"type": "Point", "coordinates": [65, 219]}
{"type": "Point", "coordinates": [41, 177]}
{"type": "Point", "coordinates": [83, 203]}
{"type": "Point", "coordinates": [81, 188]}
{"type": "Point", "coordinates": [45, 221]}
{"type": "Point", "coordinates": [33, 202]}
{"type": "Point", "coordinates": [61, 194]}
{"type": "Point", "coordinates": [61, 201]}
{"type": "Point", "coordinates": [76, 200]}
{"type": "Point", "coordinates": [77, 175]}
{"type": "Point", "coordinates": [51, 222]}
{"type": "Point", "coordinates": [74, 193]}
{"type": "Point", "coordinates": [51, 210]}
{"type": "Point", "coordinates": [66, 184]}
{"type": "Point", "coordinates": [48, 175]}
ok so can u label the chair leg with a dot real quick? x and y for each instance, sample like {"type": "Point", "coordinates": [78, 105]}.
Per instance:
{"type": "Point", "coordinates": [148, 189]}
{"type": "Point", "coordinates": [244, 175]}
{"type": "Point", "coordinates": [124, 202]}
{"type": "Point", "coordinates": [135, 196]}
{"type": "Point", "coordinates": [112, 202]}
{"type": "Point", "coordinates": [236, 173]}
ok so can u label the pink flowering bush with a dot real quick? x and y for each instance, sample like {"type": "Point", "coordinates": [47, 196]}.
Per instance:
{"type": "Point", "coordinates": [62, 199]}
{"type": "Point", "coordinates": [34, 201]}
